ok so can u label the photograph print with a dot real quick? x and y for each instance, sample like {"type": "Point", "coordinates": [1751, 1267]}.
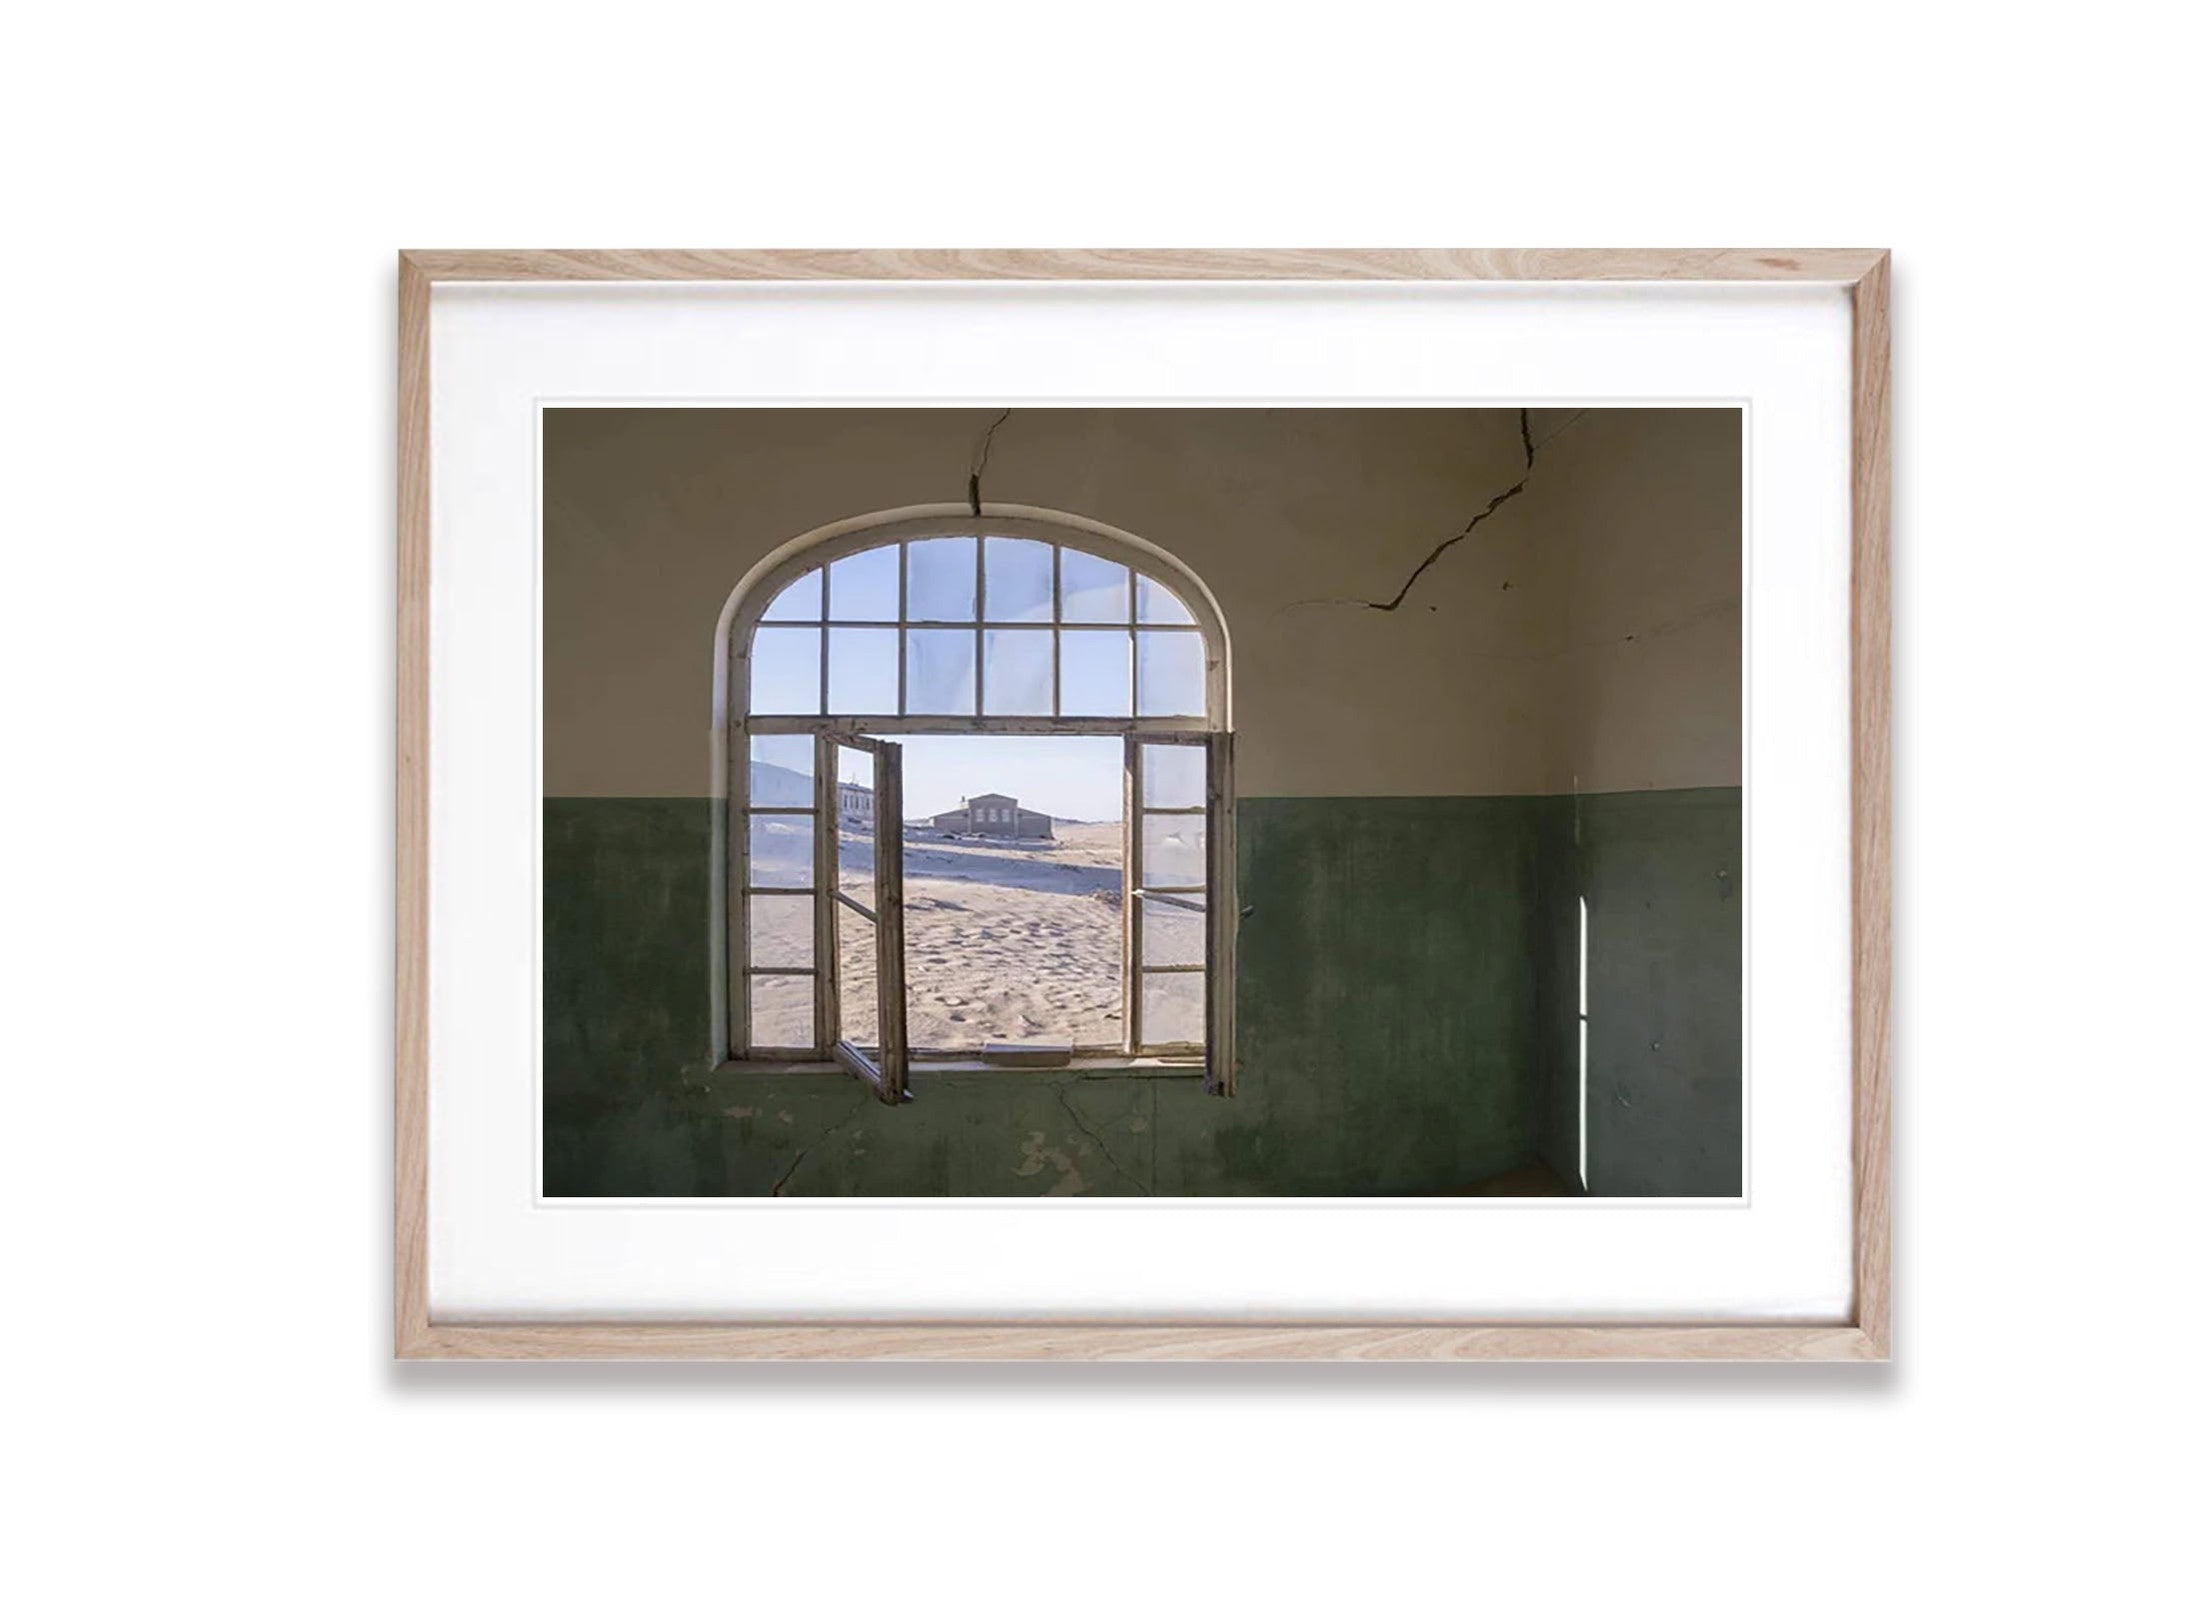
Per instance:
{"type": "Point", "coordinates": [1040, 802]}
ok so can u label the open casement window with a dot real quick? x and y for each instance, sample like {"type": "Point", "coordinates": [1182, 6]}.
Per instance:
{"type": "Point", "coordinates": [859, 871]}
{"type": "Point", "coordinates": [934, 629]}
{"type": "Point", "coordinates": [1178, 937]}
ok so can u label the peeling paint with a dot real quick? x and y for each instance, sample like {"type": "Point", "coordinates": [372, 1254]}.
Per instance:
{"type": "Point", "coordinates": [1038, 1156]}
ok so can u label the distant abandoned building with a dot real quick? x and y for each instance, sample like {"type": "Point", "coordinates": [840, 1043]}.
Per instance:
{"type": "Point", "coordinates": [995, 816]}
{"type": "Point", "coordinates": [857, 805]}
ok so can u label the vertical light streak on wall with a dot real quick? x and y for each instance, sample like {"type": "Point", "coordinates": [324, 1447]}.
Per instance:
{"type": "Point", "coordinates": [1581, 1094]}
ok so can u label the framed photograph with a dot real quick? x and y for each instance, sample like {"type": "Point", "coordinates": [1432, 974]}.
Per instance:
{"type": "Point", "coordinates": [1129, 804]}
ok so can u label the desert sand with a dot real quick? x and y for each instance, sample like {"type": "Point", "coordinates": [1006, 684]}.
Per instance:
{"type": "Point", "coordinates": [1007, 940]}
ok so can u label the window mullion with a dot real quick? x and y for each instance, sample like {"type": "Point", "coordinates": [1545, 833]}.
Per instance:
{"type": "Point", "coordinates": [825, 879]}
{"type": "Point", "coordinates": [1133, 869]}
{"type": "Point", "coordinates": [980, 664]}
{"type": "Point", "coordinates": [735, 1020]}
{"type": "Point", "coordinates": [890, 924]}
{"type": "Point", "coordinates": [824, 638]}
{"type": "Point", "coordinates": [1221, 914]}
{"type": "Point", "coordinates": [1135, 707]}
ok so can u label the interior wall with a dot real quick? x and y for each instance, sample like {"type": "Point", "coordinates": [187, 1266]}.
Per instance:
{"type": "Point", "coordinates": [1290, 517]}
{"type": "Point", "coordinates": [1639, 539]}
{"type": "Point", "coordinates": [1641, 546]}
{"type": "Point", "coordinates": [1384, 1013]}
{"type": "Point", "coordinates": [1410, 844]}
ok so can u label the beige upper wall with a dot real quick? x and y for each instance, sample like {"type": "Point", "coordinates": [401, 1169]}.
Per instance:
{"type": "Point", "coordinates": [651, 516]}
{"type": "Point", "coordinates": [1642, 537]}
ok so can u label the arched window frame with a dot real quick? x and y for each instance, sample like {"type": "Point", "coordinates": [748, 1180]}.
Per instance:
{"type": "Point", "coordinates": [733, 724]}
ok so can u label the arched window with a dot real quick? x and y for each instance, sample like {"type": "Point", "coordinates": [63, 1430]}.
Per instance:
{"type": "Point", "coordinates": [1052, 695]}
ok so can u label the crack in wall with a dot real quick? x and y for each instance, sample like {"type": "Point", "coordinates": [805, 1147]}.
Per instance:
{"type": "Point", "coordinates": [1527, 443]}
{"type": "Point", "coordinates": [1061, 1093]}
{"type": "Point", "coordinates": [978, 457]}
{"type": "Point", "coordinates": [1682, 623]}
{"type": "Point", "coordinates": [1529, 447]}
{"type": "Point", "coordinates": [802, 1154]}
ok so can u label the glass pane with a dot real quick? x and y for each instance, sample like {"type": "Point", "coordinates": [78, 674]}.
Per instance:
{"type": "Point", "coordinates": [1175, 1009]}
{"type": "Point", "coordinates": [943, 580]}
{"type": "Point", "coordinates": [852, 765]}
{"type": "Point", "coordinates": [1174, 775]}
{"type": "Point", "coordinates": [1174, 930]}
{"type": "Point", "coordinates": [782, 930]}
{"type": "Point", "coordinates": [782, 851]}
{"type": "Point", "coordinates": [943, 673]}
{"type": "Point", "coordinates": [857, 804]}
{"type": "Point", "coordinates": [1093, 590]}
{"type": "Point", "coordinates": [782, 671]}
{"type": "Point", "coordinates": [867, 587]}
{"type": "Point", "coordinates": [797, 602]}
{"type": "Point", "coordinates": [781, 768]}
{"type": "Point", "coordinates": [1019, 674]}
{"type": "Point", "coordinates": [858, 979]}
{"type": "Point", "coordinates": [1157, 604]}
{"type": "Point", "coordinates": [781, 1013]}
{"type": "Point", "coordinates": [1175, 851]}
{"type": "Point", "coordinates": [865, 673]}
{"type": "Point", "coordinates": [1019, 581]}
{"type": "Point", "coordinates": [1095, 674]}
{"type": "Point", "coordinates": [1171, 674]}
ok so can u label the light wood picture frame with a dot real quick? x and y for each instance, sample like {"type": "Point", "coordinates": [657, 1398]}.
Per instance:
{"type": "Point", "coordinates": [1864, 1335]}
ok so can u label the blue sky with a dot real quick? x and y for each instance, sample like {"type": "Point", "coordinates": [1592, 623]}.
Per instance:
{"type": "Point", "coordinates": [1078, 778]}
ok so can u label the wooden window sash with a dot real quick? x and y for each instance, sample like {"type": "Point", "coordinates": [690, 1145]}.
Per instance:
{"type": "Point", "coordinates": [886, 1068]}
{"type": "Point", "coordinates": [1218, 894]}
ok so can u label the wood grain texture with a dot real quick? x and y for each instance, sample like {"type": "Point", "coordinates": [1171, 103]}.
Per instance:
{"type": "Point", "coordinates": [1221, 910]}
{"type": "Point", "coordinates": [1225, 266]}
{"type": "Point", "coordinates": [1866, 1337]}
{"type": "Point", "coordinates": [893, 988]}
{"type": "Point", "coordinates": [411, 1253]}
{"type": "Point", "coordinates": [1870, 622]}
{"type": "Point", "coordinates": [1119, 1341]}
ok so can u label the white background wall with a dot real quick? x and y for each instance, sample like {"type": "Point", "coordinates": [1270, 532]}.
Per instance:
{"type": "Point", "coordinates": [196, 642]}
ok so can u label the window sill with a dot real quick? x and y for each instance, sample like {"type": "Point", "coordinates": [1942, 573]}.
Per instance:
{"type": "Point", "coordinates": [1089, 1066]}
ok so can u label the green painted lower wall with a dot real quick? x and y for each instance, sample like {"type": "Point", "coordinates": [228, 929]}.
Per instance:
{"type": "Point", "coordinates": [1385, 996]}
{"type": "Point", "coordinates": [1661, 874]}
{"type": "Point", "coordinates": [1387, 1025]}
{"type": "Point", "coordinates": [625, 997]}
{"type": "Point", "coordinates": [1407, 1020]}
